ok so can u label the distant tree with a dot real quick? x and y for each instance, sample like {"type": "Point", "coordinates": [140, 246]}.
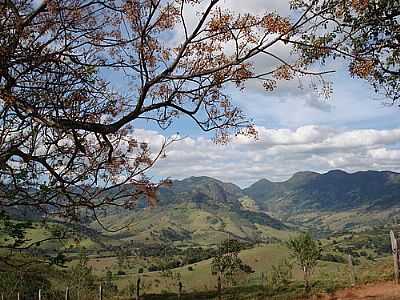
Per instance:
{"type": "Point", "coordinates": [122, 258]}
{"type": "Point", "coordinates": [227, 264]}
{"type": "Point", "coordinates": [82, 279]}
{"type": "Point", "coordinates": [110, 288]}
{"type": "Point", "coordinates": [14, 236]}
{"type": "Point", "coordinates": [280, 276]}
{"type": "Point", "coordinates": [306, 253]}
{"type": "Point", "coordinates": [14, 233]}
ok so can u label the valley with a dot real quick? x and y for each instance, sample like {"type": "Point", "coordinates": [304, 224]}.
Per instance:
{"type": "Point", "coordinates": [179, 238]}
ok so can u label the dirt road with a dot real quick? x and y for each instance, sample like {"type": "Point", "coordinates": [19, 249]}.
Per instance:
{"type": "Point", "coordinates": [375, 291]}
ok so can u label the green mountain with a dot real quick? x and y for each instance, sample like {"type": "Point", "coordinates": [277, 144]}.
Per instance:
{"type": "Point", "coordinates": [203, 210]}
{"type": "Point", "coordinates": [199, 210]}
{"type": "Point", "coordinates": [335, 200]}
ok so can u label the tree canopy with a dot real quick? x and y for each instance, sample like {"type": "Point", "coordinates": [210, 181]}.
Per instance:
{"type": "Point", "coordinates": [364, 33]}
{"type": "Point", "coordinates": [67, 138]}
{"type": "Point", "coordinates": [306, 253]}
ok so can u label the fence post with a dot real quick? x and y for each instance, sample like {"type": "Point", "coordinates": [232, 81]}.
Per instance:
{"type": "Point", "coordinates": [138, 288]}
{"type": "Point", "coordinates": [67, 293]}
{"type": "Point", "coordinates": [101, 292]}
{"type": "Point", "coordinates": [18, 295]}
{"type": "Point", "coordinates": [351, 270]}
{"type": "Point", "coordinates": [40, 294]}
{"type": "Point", "coordinates": [395, 252]}
{"type": "Point", "coordinates": [180, 289]}
{"type": "Point", "coordinates": [219, 287]}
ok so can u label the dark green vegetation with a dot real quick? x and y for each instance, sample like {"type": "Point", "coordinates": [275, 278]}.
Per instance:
{"type": "Point", "coordinates": [334, 201]}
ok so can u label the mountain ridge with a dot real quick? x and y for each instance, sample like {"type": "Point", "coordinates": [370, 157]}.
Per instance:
{"type": "Point", "coordinates": [305, 173]}
{"type": "Point", "coordinates": [331, 201]}
{"type": "Point", "coordinates": [201, 210]}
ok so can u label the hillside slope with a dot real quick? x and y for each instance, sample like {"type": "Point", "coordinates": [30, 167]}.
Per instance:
{"type": "Point", "coordinates": [335, 199]}
{"type": "Point", "coordinates": [197, 210]}
{"type": "Point", "coordinates": [203, 210]}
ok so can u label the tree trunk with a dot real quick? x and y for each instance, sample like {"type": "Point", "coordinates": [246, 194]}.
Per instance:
{"type": "Point", "coordinates": [138, 289]}
{"type": "Point", "coordinates": [219, 287]}
{"type": "Point", "coordinates": [351, 270]}
{"type": "Point", "coordinates": [179, 290]}
{"type": "Point", "coordinates": [306, 280]}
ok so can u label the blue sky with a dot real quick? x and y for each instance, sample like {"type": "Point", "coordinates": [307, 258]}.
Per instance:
{"type": "Point", "coordinates": [299, 130]}
{"type": "Point", "coordinates": [358, 132]}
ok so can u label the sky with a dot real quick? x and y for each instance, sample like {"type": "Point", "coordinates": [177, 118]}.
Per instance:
{"type": "Point", "coordinates": [298, 130]}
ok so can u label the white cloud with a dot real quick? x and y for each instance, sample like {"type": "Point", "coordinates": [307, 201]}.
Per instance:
{"type": "Point", "coordinates": [296, 146]}
{"type": "Point", "coordinates": [258, 6]}
{"type": "Point", "coordinates": [278, 153]}
{"type": "Point", "coordinates": [384, 155]}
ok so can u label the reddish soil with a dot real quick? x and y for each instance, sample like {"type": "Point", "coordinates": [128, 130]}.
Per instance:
{"type": "Point", "coordinates": [380, 290]}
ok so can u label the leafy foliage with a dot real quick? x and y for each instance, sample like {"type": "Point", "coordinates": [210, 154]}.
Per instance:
{"type": "Point", "coordinates": [82, 280]}
{"type": "Point", "coordinates": [280, 276]}
{"type": "Point", "coordinates": [227, 264]}
{"type": "Point", "coordinates": [14, 232]}
{"type": "Point", "coordinates": [25, 283]}
{"type": "Point", "coordinates": [306, 253]}
{"type": "Point", "coordinates": [365, 33]}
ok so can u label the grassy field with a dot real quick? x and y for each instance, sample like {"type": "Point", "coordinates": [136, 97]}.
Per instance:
{"type": "Point", "coordinates": [187, 223]}
{"type": "Point", "coordinates": [198, 283]}
{"type": "Point", "coordinates": [197, 277]}
{"type": "Point", "coordinates": [368, 248]}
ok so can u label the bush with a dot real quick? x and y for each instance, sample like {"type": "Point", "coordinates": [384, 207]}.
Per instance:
{"type": "Point", "coordinates": [190, 268]}
{"type": "Point", "coordinates": [246, 268]}
{"type": "Point", "coordinates": [140, 270]}
{"type": "Point", "coordinates": [153, 268]}
{"type": "Point", "coordinates": [120, 272]}
{"type": "Point", "coordinates": [280, 276]}
{"type": "Point", "coordinates": [26, 283]}
{"type": "Point", "coordinates": [333, 258]}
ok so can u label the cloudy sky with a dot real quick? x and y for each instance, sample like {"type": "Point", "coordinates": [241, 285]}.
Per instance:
{"type": "Point", "coordinates": [298, 130]}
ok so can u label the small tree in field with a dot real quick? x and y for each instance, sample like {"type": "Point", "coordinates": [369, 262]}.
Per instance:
{"type": "Point", "coordinates": [82, 278]}
{"type": "Point", "coordinates": [306, 253]}
{"type": "Point", "coordinates": [227, 264]}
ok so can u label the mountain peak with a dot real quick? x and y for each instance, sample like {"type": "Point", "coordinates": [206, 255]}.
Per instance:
{"type": "Point", "coordinates": [303, 176]}
{"type": "Point", "coordinates": [264, 181]}
{"type": "Point", "coordinates": [336, 172]}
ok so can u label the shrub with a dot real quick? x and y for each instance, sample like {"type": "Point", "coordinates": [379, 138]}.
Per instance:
{"type": "Point", "coordinates": [280, 276]}
{"type": "Point", "coordinates": [153, 268]}
{"type": "Point", "coordinates": [333, 258]}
